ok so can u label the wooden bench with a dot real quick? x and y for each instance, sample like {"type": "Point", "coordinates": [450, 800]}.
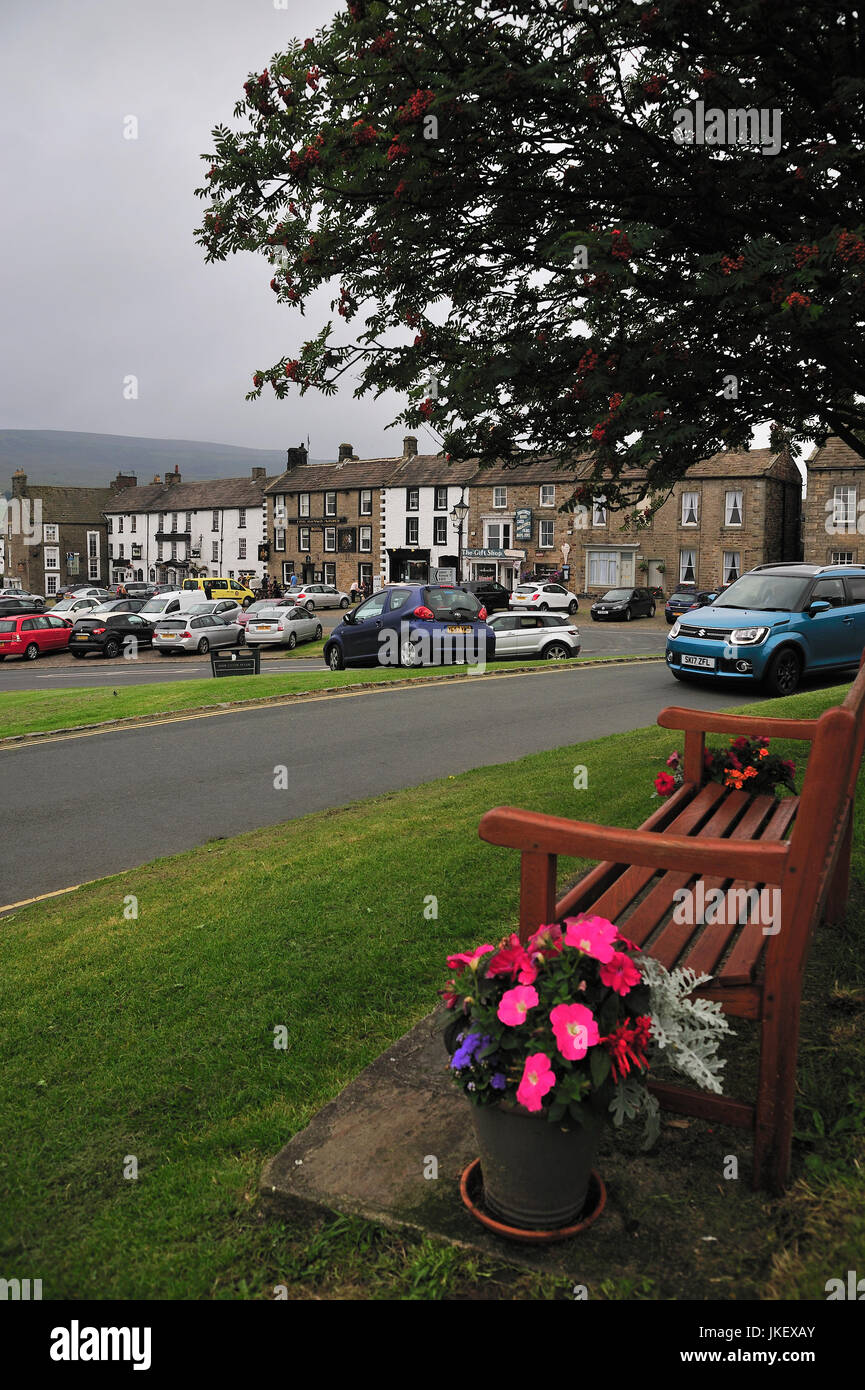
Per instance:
{"type": "Point", "coordinates": [731, 841]}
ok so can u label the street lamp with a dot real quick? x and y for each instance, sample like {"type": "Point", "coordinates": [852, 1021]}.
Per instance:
{"type": "Point", "coordinates": [459, 512]}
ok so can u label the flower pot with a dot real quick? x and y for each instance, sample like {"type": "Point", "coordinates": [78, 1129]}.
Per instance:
{"type": "Point", "coordinates": [535, 1174]}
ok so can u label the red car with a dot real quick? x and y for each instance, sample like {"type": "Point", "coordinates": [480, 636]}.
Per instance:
{"type": "Point", "coordinates": [33, 636]}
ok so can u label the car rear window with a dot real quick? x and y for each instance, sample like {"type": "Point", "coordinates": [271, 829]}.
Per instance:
{"type": "Point", "coordinates": [8, 627]}
{"type": "Point", "coordinates": [445, 603]}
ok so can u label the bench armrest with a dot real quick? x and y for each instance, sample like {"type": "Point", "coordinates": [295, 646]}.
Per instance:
{"type": "Point", "coordinates": [532, 832]}
{"type": "Point", "coordinates": [708, 722]}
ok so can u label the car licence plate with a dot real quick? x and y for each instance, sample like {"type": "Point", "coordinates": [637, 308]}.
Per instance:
{"type": "Point", "coordinates": [167, 636]}
{"type": "Point", "coordinates": [80, 637]}
{"type": "Point", "coordinates": [706, 662]}
{"type": "Point", "coordinates": [263, 627]}
{"type": "Point", "coordinates": [459, 629]}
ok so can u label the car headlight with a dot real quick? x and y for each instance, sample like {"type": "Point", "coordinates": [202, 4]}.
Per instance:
{"type": "Point", "coordinates": [748, 636]}
{"type": "Point", "coordinates": [674, 630]}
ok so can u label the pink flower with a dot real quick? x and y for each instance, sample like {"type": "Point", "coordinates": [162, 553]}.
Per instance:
{"type": "Point", "coordinates": [514, 960]}
{"type": "Point", "coordinates": [515, 1003]}
{"type": "Point", "coordinates": [538, 1078]}
{"type": "Point", "coordinates": [460, 961]}
{"type": "Point", "coordinates": [673, 760]}
{"type": "Point", "coordinates": [575, 1029]}
{"type": "Point", "coordinates": [546, 941]}
{"type": "Point", "coordinates": [620, 973]}
{"type": "Point", "coordinates": [594, 936]}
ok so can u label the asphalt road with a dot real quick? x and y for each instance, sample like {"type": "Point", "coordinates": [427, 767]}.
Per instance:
{"type": "Point", "coordinates": [89, 805]}
{"type": "Point", "coordinates": [60, 670]}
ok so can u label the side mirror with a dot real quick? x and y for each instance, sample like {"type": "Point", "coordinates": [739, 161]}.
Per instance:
{"type": "Point", "coordinates": [348, 617]}
{"type": "Point", "coordinates": [818, 605]}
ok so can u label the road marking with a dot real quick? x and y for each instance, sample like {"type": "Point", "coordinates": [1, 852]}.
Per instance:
{"type": "Point", "coordinates": [301, 697]}
{"type": "Point", "coordinates": [40, 897]}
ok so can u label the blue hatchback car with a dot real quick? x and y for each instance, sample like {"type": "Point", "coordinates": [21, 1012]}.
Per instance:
{"type": "Point", "coordinates": [412, 625]}
{"type": "Point", "coordinates": [773, 625]}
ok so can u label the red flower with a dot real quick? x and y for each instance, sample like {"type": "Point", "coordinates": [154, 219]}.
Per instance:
{"type": "Point", "coordinates": [664, 784]}
{"type": "Point", "coordinates": [627, 1044]}
{"type": "Point", "coordinates": [740, 743]}
{"type": "Point", "coordinates": [513, 960]}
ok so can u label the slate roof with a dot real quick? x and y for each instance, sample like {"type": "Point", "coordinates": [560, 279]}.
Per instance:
{"type": "Point", "coordinates": [334, 477]}
{"type": "Point", "coordinates": [71, 505]}
{"type": "Point", "coordinates": [187, 497]}
{"type": "Point", "coordinates": [834, 454]}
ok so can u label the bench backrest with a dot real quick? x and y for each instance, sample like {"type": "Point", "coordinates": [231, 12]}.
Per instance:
{"type": "Point", "coordinates": [855, 702]}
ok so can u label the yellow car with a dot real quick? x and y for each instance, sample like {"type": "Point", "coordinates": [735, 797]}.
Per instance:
{"type": "Point", "coordinates": [221, 588]}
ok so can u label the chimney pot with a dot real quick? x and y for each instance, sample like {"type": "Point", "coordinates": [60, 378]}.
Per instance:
{"type": "Point", "coordinates": [346, 451]}
{"type": "Point", "coordinates": [409, 446]}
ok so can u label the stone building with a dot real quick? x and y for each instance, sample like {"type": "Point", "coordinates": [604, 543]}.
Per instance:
{"type": "Point", "coordinates": [55, 536]}
{"type": "Point", "coordinates": [834, 517]}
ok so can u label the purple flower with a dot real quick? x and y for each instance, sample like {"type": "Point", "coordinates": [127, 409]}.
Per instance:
{"type": "Point", "coordinates": [464, 1055]}
{"type": "Point", "coordinates": [498, 1082]}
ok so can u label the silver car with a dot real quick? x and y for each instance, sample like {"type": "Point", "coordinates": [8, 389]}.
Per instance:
{"type": "Point", "coordinates": [225, 609]}
{"type": "Point", "coordinates": [535, 635]}
{"type": "Point", "coordinates": [191, 632]}
{"type": "Point", "coordinates": [283, 627]}
{"type": "Point", "coordinates": [314, 596]}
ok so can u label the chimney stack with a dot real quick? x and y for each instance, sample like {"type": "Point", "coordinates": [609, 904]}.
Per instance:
{"type": "Point", "coordinates": [259, 475]}
{"type": "Point", "coordinates": [124, 480]}
{"type": "Point", "coordinates": [346, 451]}
{"type": "Point", "coordinates": [19, 482]}
{"type": "Point", "coordinates": [297, 457]}
{"type": "Point", "coordinates": [157, 479]}
{"type": "Point", "coordinates": [409, 446]}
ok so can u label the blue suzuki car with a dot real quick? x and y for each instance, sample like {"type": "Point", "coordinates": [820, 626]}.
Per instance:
{"type": "Point", "coordinates": [773, 625]}
{"type": "Point", "coordinates": [412, 625]}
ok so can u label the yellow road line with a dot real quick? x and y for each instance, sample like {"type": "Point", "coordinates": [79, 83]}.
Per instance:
{"type": "Point", "coordinates": [40, 897]}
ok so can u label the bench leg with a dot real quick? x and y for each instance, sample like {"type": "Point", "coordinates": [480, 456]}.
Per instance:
{"type": "Point", "coordinates": [537, 891]}
{"type": "Point", "coordinates": [836, 901]}
{"type": "Point", "coordinates": [773, 1133]}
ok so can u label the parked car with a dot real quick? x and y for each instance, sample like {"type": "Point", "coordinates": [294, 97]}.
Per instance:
{"type": "Point", "coordinates": [162, 604]}
{"type": "Point", "coordinates": [75, 608]}
{"type": "Point", "coordinates": [709, 597]}
{"type": "Point", "coordinates": [406, 623]}
{"type": "Point", "coordinates": [494, 597]}
{"type": "Point", "coordinates": [195, 632]}
{"type": "Point", "coordinates": [119, 605]}
{"type": "Point", "coordinates": [86, 591]}
{"type": "Point", "coordinates": [283, 627]}
{"type": "Point", "coordinates": [313, 596]}
{"type": "Point", "coordinates": [31, 637]}
{"type": "Point", "coordinates": [217, 588]}
{"type": "Point", "coordinates": [136, 588]}
{"type": "Point", "coordinates": [108, 633]}
{"type": "Point", "coordinates": [9, 607]}
{"type": "Point", "coordinates": [543, 596]}
{"type": "Point", "coordinates": [533, 635]}
{"type": "Point", "coordinates": [684, 597]}
{"type": "Point", "coordinates": [773, 625]}
{"type": "Point", "coordinates": [36, 601]}
{"type": "Point", "coordinates": [623, 603]}
{"type": "Point", "coordinates": [226, 609]}
{"type": "Point", "coordinates": [260, 604]}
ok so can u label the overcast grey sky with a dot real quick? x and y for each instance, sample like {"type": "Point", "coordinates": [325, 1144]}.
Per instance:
{"type": "Point", "coordinates": [99, 275]}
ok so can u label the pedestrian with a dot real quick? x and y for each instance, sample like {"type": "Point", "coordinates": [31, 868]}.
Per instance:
{"type": "Point", "coordinates": [352, 591]}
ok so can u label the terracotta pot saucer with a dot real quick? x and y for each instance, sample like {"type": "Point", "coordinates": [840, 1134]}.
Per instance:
{"type": "Point", "coordinates": [472, 1193]}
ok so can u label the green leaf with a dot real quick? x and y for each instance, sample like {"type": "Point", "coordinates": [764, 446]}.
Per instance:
{"type": "Point", "coordinates": [600, 1064]}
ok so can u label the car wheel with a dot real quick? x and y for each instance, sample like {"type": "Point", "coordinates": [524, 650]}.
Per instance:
{"type": "Point", "coordinates": [292, 640]}
{"type": "Point", "coordinates": [409, 654]}
{"type": "Point", "coordinates": [343, 603]}
{"type": "Point", "coordinates": [573, 606]}
{"type": "Point", "coordinates": [556, 651]}
{"type": "Point", "coordinates": [543, 607]}
{"type": "Point", "coordinates": [317, 637]}
{"type": "Point", "coordinates": [241, 638]}
{"type": "Point", "coordinates": [246, 603]}
{"type": "Point", "coordinates": [31, 652]}
{"type": "Point", "coordinates": [112, 649]}
{"type": "Point", "coordinates": [652, 611]}
{"type": "Point", "coordinates": [203, 647]}
{"type": "Point", "coordinates": [309, 606]}
{"type": "Point", "coordinates": [628, 615]}
{"type": "Point", "coordinates": [784, 673]}
{"type": "Point", "coordinates": [333, 657]}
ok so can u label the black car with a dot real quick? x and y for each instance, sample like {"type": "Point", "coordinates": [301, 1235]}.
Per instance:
{"type": "Point", "coordinates": [685, 597]}
{"type": "Point", "coordinates": [108, 633]}
{"type": "Point", "coordinates": [492, 596]}
{"type": "Point", "coordinates": [11, 607]}
{"type": "Point", "coordinates": [122, 605]}
{"type": "Point", "coordinates": [623, 603]}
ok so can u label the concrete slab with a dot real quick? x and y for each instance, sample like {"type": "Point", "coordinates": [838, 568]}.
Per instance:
{"type": "Point", "coordinates": [366, 1154]}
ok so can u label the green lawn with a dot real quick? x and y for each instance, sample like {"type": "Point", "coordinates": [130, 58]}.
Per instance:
{"type": "Point", "coordinates": [40, 711]}
{"type": "Point", "coordinates": [154, 1038]}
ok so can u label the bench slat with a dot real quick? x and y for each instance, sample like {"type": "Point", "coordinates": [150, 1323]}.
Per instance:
{"type": "Point", "coordinates": [740, 966]}
{"type": "Point", "coordinates": [632, 882]}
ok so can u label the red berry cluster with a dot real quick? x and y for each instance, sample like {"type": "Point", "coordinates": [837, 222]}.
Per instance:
{"type": "Point", "coordinates": [600, 430]}
{"type": "Point", "coordinates": [615, 400]}
{"type": "Point", "coordinates": [291, 369]}
{"type": "Point", "coordinates": [621, 247]}
{"type": "Point", "coordinates": [415, 107]}
{"type": "Point", "coordinates": [797, 300]}
{"type": "Point", "coordinates": [375, 241]}
{"type": "Point", "coordinates": [707, 75]}
{"type": "Point", "coordinates": [427, 408]}
{"type": "Point", "coordinates": [344, 302]}
{"type": "Point", "coordinates": [648, 18]}
{"type": "Point", "coordinates": [731, 263]}
{"type": "Point", "coordinates": [596, 100]}
{"type": "Point", "coordinates": [312, 77]}
{"type": "Point", "coordinates": [301, 163]}
{"type": "Point", "coordinates": [400, 188]}
{"type": "Point", "coordinates": [587, 363]}
{"type": "Point", "coordinates": [658, 414]}
{"type": "Point", "coordinates": [850, 247]}
{"type": "Point", "coordinates": [364, 134]}
{"type": "Point", "coordinates": [803, 254]}
{"type": "Point", "coordinates": [655, 86]}
{"type": "Point", "coordinates": [397, 150]}
{"type": "Point", "coordinates": [384, 42]}
{"type": "Point", "coordinates": [588, 73]}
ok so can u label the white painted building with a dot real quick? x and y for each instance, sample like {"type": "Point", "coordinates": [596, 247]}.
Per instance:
{"type": "Point", "coordinates": [171, 530]}
{"type": "Point", "coordinates": [418, 531]}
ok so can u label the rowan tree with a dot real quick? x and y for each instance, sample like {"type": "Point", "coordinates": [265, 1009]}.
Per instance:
{"type": "Point", "coordinates": [520, 245]}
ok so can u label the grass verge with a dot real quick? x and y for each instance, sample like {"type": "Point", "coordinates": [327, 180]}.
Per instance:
{"type": "Point", "coordinates": [153, 1038]}
{"type": "Point", "coordinates": [45, 711]}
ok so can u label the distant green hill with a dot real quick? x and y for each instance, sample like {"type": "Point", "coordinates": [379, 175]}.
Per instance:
{"type": "Point", "coordinates": [92, 460]}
